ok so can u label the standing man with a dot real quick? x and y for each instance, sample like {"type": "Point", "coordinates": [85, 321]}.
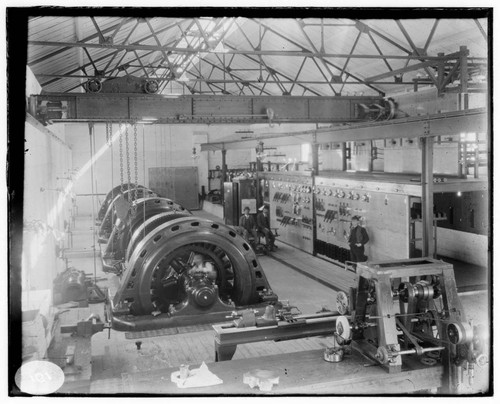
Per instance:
{"type": "Point", "coordinates": [247, 224]}
{"type": "Point", "coordinates": [264, 226]}
{"type": "Point", "coordinates": [357, 240]}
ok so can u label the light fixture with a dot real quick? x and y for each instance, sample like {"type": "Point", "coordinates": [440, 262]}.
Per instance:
{"type": "Point", "coordinates": [195, 155]}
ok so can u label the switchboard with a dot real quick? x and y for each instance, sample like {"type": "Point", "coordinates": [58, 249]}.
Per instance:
{"type": "Point", "coordinates": [384, 215]}
{"type": "Point", "coordinates": [291, 208]}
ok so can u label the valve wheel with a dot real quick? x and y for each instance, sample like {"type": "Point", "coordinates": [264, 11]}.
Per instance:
{"type": "Point", "coordinates": [342, 303]}
{"type": "Point", "coordinates": [342, 330]}
{"type": "Point", "coordinates": [382, 354]}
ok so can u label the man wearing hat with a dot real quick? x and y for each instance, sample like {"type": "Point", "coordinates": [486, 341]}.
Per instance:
{"type": "Point", "coordinates": [358, 237]}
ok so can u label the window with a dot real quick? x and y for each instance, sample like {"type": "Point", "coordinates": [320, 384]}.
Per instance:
{"type": "Point", "coordinates": [305, 152]}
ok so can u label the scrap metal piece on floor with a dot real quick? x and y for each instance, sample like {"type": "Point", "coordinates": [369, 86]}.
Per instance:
{"type": "Point", "coordinates": [261, 378]}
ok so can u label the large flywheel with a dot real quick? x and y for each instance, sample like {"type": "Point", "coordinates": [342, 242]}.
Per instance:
{"type": "Point", "coordinates": [110, 196]}
{"type": "Point", "coordinates": [159, 279]}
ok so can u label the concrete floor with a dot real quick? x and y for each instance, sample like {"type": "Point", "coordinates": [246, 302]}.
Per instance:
{"type": "Point", "coordinates": [115, 358]}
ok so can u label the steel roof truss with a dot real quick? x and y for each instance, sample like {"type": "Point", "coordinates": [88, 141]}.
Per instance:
{"type": "Point", "coordinates": [330, 63]}
{"type": "Point", "coordinates": [481, 29]}
{"type": "Point", "coordinates": [431, 35]}
{"type": "Point", "coordinates": [298, 74]}
{"type": "Point", "coordinates": [93, 36]}
{"type": "Point", "coordinates": [417, 51]}
{"type": "Point", "coordinates": [102, 39]}
{"type": "Point", "coordinates": [379, 50]}
{"type": "Point", "coordinates": [348, 59]}
{"type": "Point", "coordinates": [142, 65]}
{"type": "Point", "coordinates": [321, 58]}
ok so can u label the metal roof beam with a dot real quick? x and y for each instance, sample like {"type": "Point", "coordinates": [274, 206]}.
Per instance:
{"type": "Point", "coordinates": [379, 50]}
{"type": "Point", "coordinates": [417, 51]}
{"type": "Point", "coordinates": [481, 29]}
{"type": "Point", "coordinates": [221, 81]}
{"type": "Point", "coordinates": [385, 38]}
{"type": "Point", "coordinates": [93, 36]}
{"type": "Point", "coordinates": [349, 58]}
{"type": "Point", "coordinates": [270, 70]}
{"type": "Point", "coordinates": [402, 70]}
{"type": "Point", "coordinates": [137, 46]}
{"type": "Point", "coordinates": [99, 33]}
{"type": "Point", "coordinates": [311, 44]}
{"type": "Point", "coordinates": [237, 79]}
{"type": "Point", "coordinates": [328, 62]}
{"type": "Point", "coordinates": [431, 34]}
{"type": "Point", "coordinates": [474, 120]}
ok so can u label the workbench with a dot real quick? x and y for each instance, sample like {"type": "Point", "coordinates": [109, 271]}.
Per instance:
{"type": "Point", "coordinates": [72, 351]}
{"type": "Point", "coordinates": [300, 373]}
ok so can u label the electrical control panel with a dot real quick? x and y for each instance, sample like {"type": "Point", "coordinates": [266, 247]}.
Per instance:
{"type": "Point", "coordinates": [291, 208]}
{"type": "Point", "coordinates": [385, 216]}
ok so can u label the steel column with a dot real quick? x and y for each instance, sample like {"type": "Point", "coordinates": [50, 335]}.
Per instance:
{"type": "Point", "coordinates": [427, 196]}
{"type": "Point", "coordinates": [224, 171]}
{"type": "Point", "coordinates": [315, 158]}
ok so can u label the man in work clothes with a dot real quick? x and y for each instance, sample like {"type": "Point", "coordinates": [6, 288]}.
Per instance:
{"type": "Point", "coordinates": [247, 224]}
{"type": "Point", "coordinates": [357, 240]}
{"type": "Point", "coordinates": [263, 225]}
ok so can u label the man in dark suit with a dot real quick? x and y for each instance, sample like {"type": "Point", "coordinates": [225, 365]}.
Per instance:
{"type": "Point", "coordinates": [358, 237]}
{"type": "Point", "coordinates": [264, 226]}
{"type": "Point", "coordinates": [247, 225]}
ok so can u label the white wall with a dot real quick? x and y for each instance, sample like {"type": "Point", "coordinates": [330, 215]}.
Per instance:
{"type": "Point", "coordinates": [157, 146]}
{"type": "Point", "coordinates": [46, 158]}
{"type": "Point", "coordinates": [466, 247]}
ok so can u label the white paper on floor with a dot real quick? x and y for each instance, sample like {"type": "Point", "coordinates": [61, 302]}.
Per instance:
{"type": "Point", "coordinates": [200, 377]}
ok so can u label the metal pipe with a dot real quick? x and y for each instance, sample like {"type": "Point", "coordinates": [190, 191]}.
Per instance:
{"type": "Point", "coordinates": [413, 351]}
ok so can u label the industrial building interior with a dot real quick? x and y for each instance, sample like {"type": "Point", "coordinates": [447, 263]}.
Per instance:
{"type": "Point", "coordinates": [146, 135]}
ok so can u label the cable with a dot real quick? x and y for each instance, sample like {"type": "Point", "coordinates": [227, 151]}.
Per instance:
{"type": "Point", "coordinates": [144, 174]}
{"type": "Point", "coordinates": [91, 137]}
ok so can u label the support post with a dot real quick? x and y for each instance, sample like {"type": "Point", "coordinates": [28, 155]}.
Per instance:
{"type": "Point", "coordinates": [224, 171]}
{"type": "Point", "coordinates": [344, 156]}
{"type": "Point", "coordinates": [315, 158]}
{"type": "Point", "coordinates": [464, 74]}
{"type": "Point", "coordinates": [427, 195]}
{"type": "Point", "coordinates": [440, 78]}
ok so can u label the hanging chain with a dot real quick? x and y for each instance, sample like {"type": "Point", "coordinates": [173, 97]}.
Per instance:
{"type": "Point", "coordinates": [128, 161]}
{"type": "Point", "coordinates": [136, 172]}
{"type": "Point", "coordinates": [121, 159]}
{"type": "Point", "coordinates": [111, 153]}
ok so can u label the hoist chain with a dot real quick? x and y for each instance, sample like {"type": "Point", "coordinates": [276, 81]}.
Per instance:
{"type": "Point", "coordinates": [121, 159]}
{"type": "Point", "coordinates": [136, 172]}
{"type": "Point", "coordinates": [108, 133]}
{"type": "Point", "coordinates": [111, 153]}
{"type": "Point", "coordinates": [128, 161]}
